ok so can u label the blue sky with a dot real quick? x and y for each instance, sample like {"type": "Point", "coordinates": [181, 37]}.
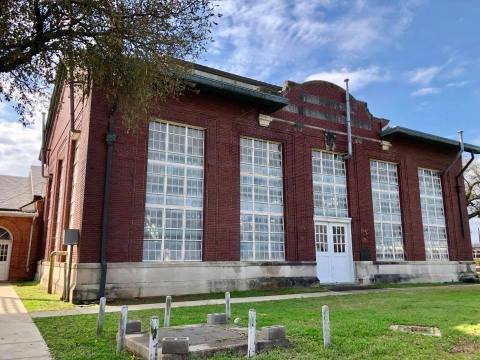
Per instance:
{"type": "Point", "coordinates": [416, 62]}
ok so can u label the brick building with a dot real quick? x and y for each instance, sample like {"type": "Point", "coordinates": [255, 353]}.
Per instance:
{"type": "Point", "coordinates": [244, 184]}
{"type": "Point", "coordinates": [21, 225]}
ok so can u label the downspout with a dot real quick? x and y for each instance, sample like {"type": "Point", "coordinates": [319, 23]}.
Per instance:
{"type": "Point", "coordinates": [457, 177]}
{"type": "Point", "coordinates": [349, 122]}
{"type": "Point", "coordinates": [459, 192]}
{"type": "Point", "coordinates": [43, 151]}
{"type": "Point", "coordinates": [27, 265]}
{"type": "Point", "coordinates": [459, 154]}
{"type": "Point", "coordinates": [110, 140]}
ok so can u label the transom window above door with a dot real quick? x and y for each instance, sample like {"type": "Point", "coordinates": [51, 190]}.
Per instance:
{"type": "Point", "coordinates": [329, 184]}
{"type": "Point", "coordinates": [4, 235]}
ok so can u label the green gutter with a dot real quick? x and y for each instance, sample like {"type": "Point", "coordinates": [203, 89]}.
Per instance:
{"type": "Point", "coordinates": [398, 130]}
{"type": "Point", "coordinates": [270, 101]}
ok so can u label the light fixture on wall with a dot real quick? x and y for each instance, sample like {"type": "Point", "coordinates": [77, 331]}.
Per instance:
{"type": "Point", "coordinates": [330, 141]}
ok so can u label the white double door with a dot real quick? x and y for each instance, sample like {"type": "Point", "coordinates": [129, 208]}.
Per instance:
{"type": "Point", "coordinates": [5, 252]}
{"type": "Point", "coordinates": [333, 247]}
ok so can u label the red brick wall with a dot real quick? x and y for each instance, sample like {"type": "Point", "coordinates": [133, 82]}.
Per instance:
{"type": "Point", "coordinates": [225, 120]}
{"type": "Point", "coordinates": [19, 228]}
{"type": "Point", "coordinates": [59, 147]}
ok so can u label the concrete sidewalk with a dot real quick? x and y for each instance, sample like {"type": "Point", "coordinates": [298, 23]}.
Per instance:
{"type": "Point", "coordinates": [19, 337]}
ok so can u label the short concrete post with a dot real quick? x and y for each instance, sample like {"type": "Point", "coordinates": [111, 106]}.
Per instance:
{"type": "Point", "coordinates": [122, 329]}
{"type": "Point", "coordinates": [228, 309]}
{"type": "Point", "coordinates": [153, 338]}
{"type": "Point", "coordinates": [168, 311]}
{"type": "Point", "coordinates": [101, 315]}
{"type": "Point", "coordinates": [252, 333]}
{"type": "Point", "coordinates": [326, 326]}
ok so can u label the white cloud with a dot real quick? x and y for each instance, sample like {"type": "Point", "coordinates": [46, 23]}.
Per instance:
{"type": "Point", "coordinates": [475, 230]}
{"type": "Point", "coordinates": [457, 84]}
{"type": "Point", "coordinates": [259, 38]}
{"type": "Point", "coordinates": [423, 76]}
{"type": "Point", "coordinates": [426, 91]}
{"type": "Point", "coordinates": [19, 145]}
{"type": "Point", "coordinates": [359, 78]}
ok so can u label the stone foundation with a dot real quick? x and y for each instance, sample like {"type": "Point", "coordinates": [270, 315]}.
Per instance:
{"type": "Point", "coordinates": [371, 272]}
{"type": "Point", "coordinates": [144, 279]}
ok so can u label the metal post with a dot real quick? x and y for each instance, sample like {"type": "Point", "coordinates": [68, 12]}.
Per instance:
{"type": "Point", "coordinates": [326, 326]}
{"type": "Point", "coordinates": [101, 315]}
{"type": "Point", "coordinates": [122, 329]}
{"type": "Point", "coordinates": [68, 265]}
{"type": "Point", "coordinates": [228, 309]}
{"type": "Point", "coordinates": [153, 338]}
{"type": "Point", "coordinates": [252, 333]}
{"type": "Point", "coordinates": [168, 310]}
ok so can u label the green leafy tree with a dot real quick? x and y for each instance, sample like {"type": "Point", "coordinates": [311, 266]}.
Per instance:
{"type": "Point", "coordinates": [132, 49]}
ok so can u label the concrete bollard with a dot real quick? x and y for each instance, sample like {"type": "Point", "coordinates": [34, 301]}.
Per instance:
{"type": "Point", "coordinates": [153, 338]}
{"type": "Point", "coordinates": [134, 327]}
{"type": "Point", "coordinates": [122, 328]}
{"type": "Point", "coordinates": [168, 311]}
{"type": "Point", "coordinates": [326, 326]}
{"type": "Point", "coordinates": [228, 309]}
{"type": "Point", "coordinates": [252, 333]}
{"type": "Point", "coordinates": [101, 315]}
{"type": "Point", "coordinates": [216, 319]}
{"type": "Point", "coordinates": [274, 332]}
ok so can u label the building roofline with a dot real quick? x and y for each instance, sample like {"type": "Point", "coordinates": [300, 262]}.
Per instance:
{"type": "Point", "coordinates": [398, 130]}
{"type": "Point", "coordinates": [247, 80]}
{"type": "Point", "coordinates": [265, 94]}
{"type": "Point", "coordinates": [270, 101]}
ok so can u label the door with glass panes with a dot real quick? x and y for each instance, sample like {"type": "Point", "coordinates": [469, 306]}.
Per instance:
{"type": "Point", "coordinates": [333, 252]}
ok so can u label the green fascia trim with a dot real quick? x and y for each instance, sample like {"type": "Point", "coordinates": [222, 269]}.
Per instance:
{"type": "Point", "coordinates": [271, 101]}
{"type": "Point", "coordinates": [398, 130]}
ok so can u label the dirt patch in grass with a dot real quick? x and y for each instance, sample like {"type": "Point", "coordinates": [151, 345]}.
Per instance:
{"type": "Point", "coordinates": [465, 347]}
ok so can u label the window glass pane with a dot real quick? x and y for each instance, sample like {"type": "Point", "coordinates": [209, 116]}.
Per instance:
{"type": "Point", "coordinates": [261, 201]}
{"type": "Point", "coordinates": [386, 211]}
{"type": "Point", "coordinates": [329, 184]}
{"type": "Point", "coordinates": [174, 196]}
{"type": "Point", "coordinates": [433, 215]}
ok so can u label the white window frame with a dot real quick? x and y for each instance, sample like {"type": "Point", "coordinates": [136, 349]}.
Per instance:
{"type": "Point", "coordinates": [165, 163]}
{"type": "Point", "coordinates": [437, 222]}
{"type": "Point", "coordinates": [253, 212]}
{"type": "Point", "coordinates": [380, 188]}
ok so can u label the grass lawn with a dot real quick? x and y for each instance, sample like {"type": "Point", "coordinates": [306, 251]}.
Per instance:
{"type": "Point", "coordinates": [359, 323]}
{"type": "Point", "coordinates": [35, 298]}
{"type": "Point", "coordinates": [219, 295]}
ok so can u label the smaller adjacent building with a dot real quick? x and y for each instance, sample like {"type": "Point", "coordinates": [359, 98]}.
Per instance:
{"type": "Point", "coordinates": [21, 211]}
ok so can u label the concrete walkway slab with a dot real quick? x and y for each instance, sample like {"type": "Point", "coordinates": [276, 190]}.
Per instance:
{"type": "Point", "coordinates": [19, 337]}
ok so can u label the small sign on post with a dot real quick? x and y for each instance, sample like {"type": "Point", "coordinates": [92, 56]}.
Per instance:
{"type": "Point", "coordinates": [252, 333]}
{"type": "Point", "coordinates": [168, 311]}
{"type": "Point", "coordinates": [101, 315]}
{"type": "Point", "coordinates": [122, 329]}
{"type": "Point", "coordinates": [153, 338]}
{"type": "Point", "coordinates": [326, 326]}
{"type": "Point", "coordinates": [228, 309]}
